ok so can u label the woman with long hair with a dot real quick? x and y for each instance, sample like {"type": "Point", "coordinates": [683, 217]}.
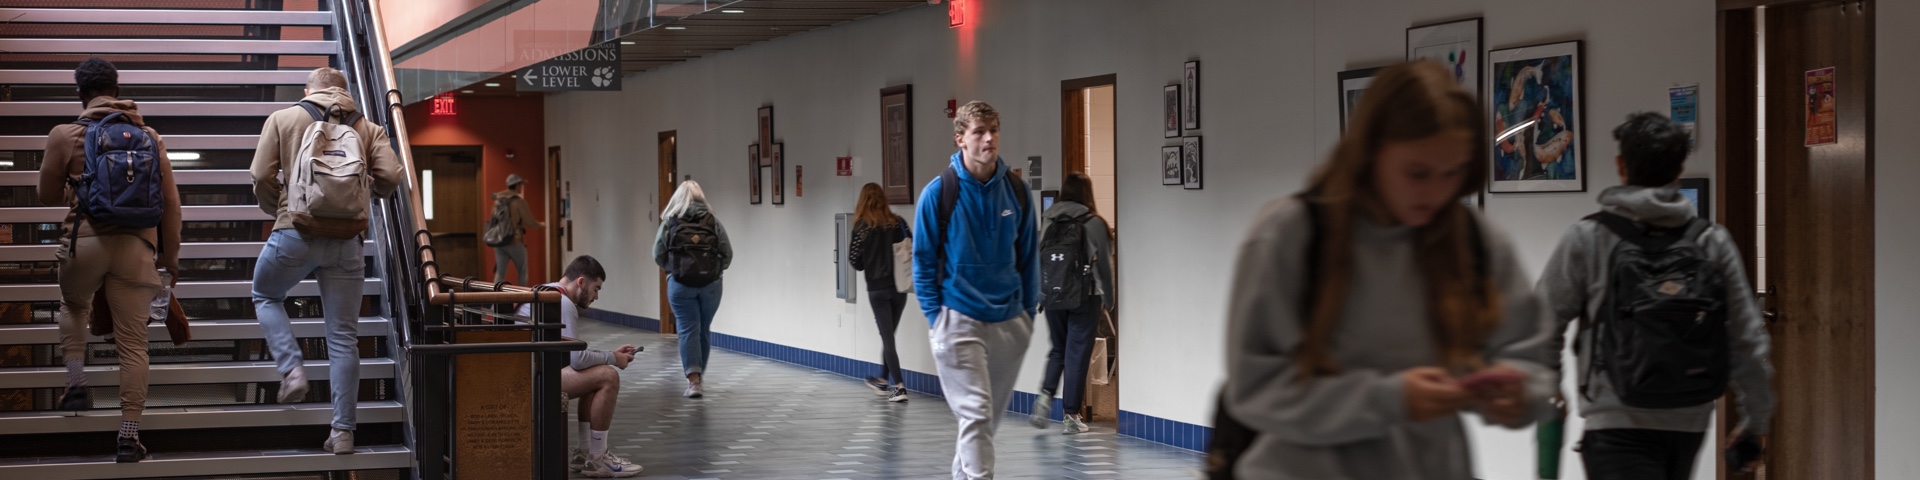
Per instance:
{"type": "Point", "coordinates": [692, 247]}
{"type": "Point", "coordinates": [1371, 309]}
{"type": "Point", "coordinates": [1073, 329]}
{"type": "Point", "coordinates": [875, 230]}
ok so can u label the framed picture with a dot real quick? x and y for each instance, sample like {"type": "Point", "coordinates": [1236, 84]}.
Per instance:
{"type": "Point", "coordinates": [753, 174]}
{"type": "Point", "coordinates": [1190, 101]}
{"type": "Point", "coordinates": [1455, 44]}
{"type": "Point", "coordinates": [896, 151]}
{"type": "Point", "coordinates": [766, 135]}
{"type": "Point", "coordinates": [1352, 84]}
{"type": "Point", "coordinates": [779, 174]}
{"type": "Point", "coordinates": [1535, 105]}
{"type": "Point", "coordinates": [1701, 193]}
{"type": "Point", "coordinates": [1190, 164]}
{"type": "Point", "coordinates": [1170, 165]}
{"type": "Point", "coordinates": [1172, 114]}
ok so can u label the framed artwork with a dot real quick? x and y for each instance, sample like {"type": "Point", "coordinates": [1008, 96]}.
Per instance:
{"type": "Point", "coordinates": [1701, 193]}
{"type": "Point", "coordinates": [1455, 44]}
{"type": "Point", "coordinates": [1535, 105]}
{"type": "Point", "coordinates": [766, 135]}
{"type": "Point", "coordinates": [1190, 100]}
{"type": "Point", "coordinates": [1190, 164]}
{"type": "Point", "coordinates": [896, 151]}
{"type": "Point", "coordinates": [1170, 165]}
{"type": "Point", "coordinates": [1352, 84]}
{"type": "Point", "coordinates": [1171, 116]}
{"type": "Point", "coordinates": [753, 174]}
{"type": "Point", "coordinates": [779, 174]}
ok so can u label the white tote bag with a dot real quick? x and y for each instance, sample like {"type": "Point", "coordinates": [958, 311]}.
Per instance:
{"type": "Point", "coordinates": [903, 266]}
{"type": "Point", "coordinates": [1098, 368]}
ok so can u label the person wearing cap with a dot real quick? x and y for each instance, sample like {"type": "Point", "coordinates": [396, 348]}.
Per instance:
{"type": "Point", "coordinates": [520, 215]}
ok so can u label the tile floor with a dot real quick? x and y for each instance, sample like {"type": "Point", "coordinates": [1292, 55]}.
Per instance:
{"type": "Point", "coordinates": [766, 419]}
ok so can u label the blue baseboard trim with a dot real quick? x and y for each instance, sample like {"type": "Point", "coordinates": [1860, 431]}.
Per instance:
{"type": "Point", "coordinates": [1145, 427]}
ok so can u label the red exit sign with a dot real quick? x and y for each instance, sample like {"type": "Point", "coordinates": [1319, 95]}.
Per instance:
{"type": "Point", "coordinates": [443, 105]}
{"type": "Point", "coordinates": [956, 13]}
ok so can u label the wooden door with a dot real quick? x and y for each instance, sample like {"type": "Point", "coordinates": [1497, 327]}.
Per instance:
{"type": "Point", "coordinates": [457, 207]}
{"type": "Point", "coordinates": [1077, 122]}
{"type": "Point", "coordinates": [669, 175]}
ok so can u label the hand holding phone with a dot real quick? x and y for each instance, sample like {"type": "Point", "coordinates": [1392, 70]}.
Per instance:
{"type": "Point", "coordinates": [1491, 378]}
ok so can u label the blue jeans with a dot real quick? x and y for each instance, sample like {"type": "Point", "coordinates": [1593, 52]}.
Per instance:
{"type": "Point", "coordinates": [338, 263]}
{"type": "Point", "coordinates": [693, 309]}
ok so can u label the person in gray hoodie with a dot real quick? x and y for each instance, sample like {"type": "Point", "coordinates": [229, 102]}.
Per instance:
{"type": "Point", "coordinates": [1363, 321]}
{"type": "Point", "coordinates": [1073, 330]}
{"type": "Point", "coordinates": [1621, 441]}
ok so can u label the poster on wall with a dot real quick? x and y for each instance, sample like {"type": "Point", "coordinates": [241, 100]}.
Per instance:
{"type": "Point", "coordinates": [1170, 165]}
{"type": "Point", "coordinates": [766, 135]}
{"type": "Point", "coordinates": [1821, 129]}
{"type": "Point", "coordinates": [1352, 84]}
{"type": "Point", "coordinates": [1683, 106]}
{"type": "Point", "coordinates": [753, 174]}
{"type": "Point", "coordinates": [1171, 115]}
{"type": "Point", "coordinates": [1190, 162]}
{"type": "Point", "coordinates": [1190, 99]}
{"type": "Point", "coordinates": [1535, 105]}
{"type": "Point", "coordinates": [779, 174]}
{"type": "Point", "coordinates": [896, 127]}
{"type": "Point", "coordinates": [1454, 44]}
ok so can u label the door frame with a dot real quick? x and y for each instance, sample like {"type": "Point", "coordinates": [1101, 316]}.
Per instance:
{"type": "Point", "coordinates": [557, 228]}
{"type": "Point", "coordinates": [1073, 158]}
{"type": "Point", "coordinates": [668, 166]}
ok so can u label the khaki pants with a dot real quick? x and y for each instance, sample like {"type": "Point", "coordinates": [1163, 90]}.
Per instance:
{"type": "Point", "coordinates": [123, 264]}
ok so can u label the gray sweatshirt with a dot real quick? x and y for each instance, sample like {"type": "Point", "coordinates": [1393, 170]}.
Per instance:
{"type": "Point", "coordinates": [1575, 284]}
{"type": "Point", "coordinates": [569, 314]}
{"type": "Point", "coordinates": [1353, 425]}
{"type": "Point", "coordinates": [1099, 245]}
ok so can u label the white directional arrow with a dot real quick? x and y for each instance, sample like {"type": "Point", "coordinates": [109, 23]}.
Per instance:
{"type": "Point", "coordinates": [528, 76]}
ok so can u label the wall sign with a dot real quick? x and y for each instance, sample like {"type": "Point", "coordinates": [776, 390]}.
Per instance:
{"type": "Point", "coordinates": [591, 69]}
{"type": "Point", "coordinates": [443, 105]}
{"type": "Point", "coordinates": [1821, 129]}
{"type": "Point", "coordinates": [843, 166]}
{"type": "Point", "coordinates": [1683, 106]}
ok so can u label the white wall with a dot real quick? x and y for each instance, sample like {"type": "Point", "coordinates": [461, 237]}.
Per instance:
{"type": "Point", "coordinates": [1896, 266]}
{"type": "Point", "coordinates": [1268, 71]}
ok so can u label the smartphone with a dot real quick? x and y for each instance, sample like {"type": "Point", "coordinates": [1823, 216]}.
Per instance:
{"type": "Point", "coordinates": [1743, 451]}
{"type": "Point", "coordinates": [1490, 378]}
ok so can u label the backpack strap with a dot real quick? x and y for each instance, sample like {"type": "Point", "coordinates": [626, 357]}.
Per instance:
{"type": "Point", "coordinates": [313, 110]}
{"type": "Point", "coordinates": [949, 195]}
{"type": "Point", "coordinates": [320, 114]}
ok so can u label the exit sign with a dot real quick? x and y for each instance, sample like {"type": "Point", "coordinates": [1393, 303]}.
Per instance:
{"type": "Point", "coordinates": [443, 105]}
{"type": "Point", "coordinates": [956, 13]}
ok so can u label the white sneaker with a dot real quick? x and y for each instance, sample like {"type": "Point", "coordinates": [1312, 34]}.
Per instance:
{"type": "Point", "coordinates": [339, 443]}
{"type": "Point", "coordinates": [293, 387]}
{"type": "Point", "coordinates": [576, 459]}
{"type": "Point", "coordinates": [609, 465]}
{"type": "Point", "coordinates": [899, 395]}
{"type": "Point", "coordinates": [694, 390]}
{"type": "Point", "coordinates": [1071, 424]}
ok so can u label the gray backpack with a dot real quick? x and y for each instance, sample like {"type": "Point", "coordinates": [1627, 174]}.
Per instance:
{"type": "Point", "coordinates": [328, 189]}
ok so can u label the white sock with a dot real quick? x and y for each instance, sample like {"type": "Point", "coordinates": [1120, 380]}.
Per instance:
{"type": "Point", "coordinates": [129, 429]}
{"type": "Point", "coordinates": [597, 444]}
{"type": "Point", "coordinates": [76, 372]}
{"type": "Point", "coordinates": [584, 427]}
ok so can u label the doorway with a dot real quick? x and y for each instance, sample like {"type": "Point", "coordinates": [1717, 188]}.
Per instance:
{"type": "Point", "coordinates": [1088, 144]}
{"type": "Point", "coordinates": [448, 178]}
{"type": "Point", "coordinates": [669, 170]}
{"type": "Point", "coordinates": [1801, 208]}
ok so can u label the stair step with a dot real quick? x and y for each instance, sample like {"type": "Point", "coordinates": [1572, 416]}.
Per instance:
{"type": "Point", "coordinates": [203, 330]}
{"type": "Point", "coordinates": [169, 46]}
{"type": "Point", "coordinates": [164, 77]}
{"type": "Point", "coordinates": [31, 178]}
{"type": "Point", "coordinates": [216, 289]}
{"type": "Point", "coordinates": [45, 252]}
{"type": "Point", "coordinates": [149, 109]}
{"type": "Point", "coordinates": [190, 213]}
{"type": "Point", "coordinates": [207, 464]}
{"type": "Point", "coordinates": [174, 142]}
{"type": "Point", "coordinates": [181, 418]}
{"type": "Point", "coordinates": [184, 374]}
{"type": "Point", "coordinates": [181, 17]}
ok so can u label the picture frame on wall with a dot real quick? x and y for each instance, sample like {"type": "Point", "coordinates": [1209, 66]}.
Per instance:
{"type": "Point", "coordinates": [766, 135]}
{"type": "Point", "coordinates": [779, 174]}
{"type": "Point", "coordinates": [1170, 165]}
{"type": "Point", "coordinates": [753, 174]}
{"type": "Point", "coordinates": [1536, 103]}
{"type": "Point", "coordinates": [1190, 96]}
{"type": "Point", "coordinates": [896, 149]}
{"type": "Point", "coordinates": [1353, 83]}
{"type": "Point", "coordinates": [1190, 165]}
{"type": "Point", "coordinates": [1171, 116]}
{"type": "Point", "coordinates": [1455, 44]}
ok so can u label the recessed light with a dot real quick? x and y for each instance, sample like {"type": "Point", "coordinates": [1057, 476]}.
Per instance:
{"type": "Point", "coordinates": [733, 11]}
{"type": "Point", "coordinates": [466, 91]}
{"type": "Point", "coordinates": [183, 155]}
{"type": "Point", "coordinates": [676, 28]}
{"type": "Point", "coordinates": [626, 43]}
{"type": "Point", "coordinates": [491, 84]}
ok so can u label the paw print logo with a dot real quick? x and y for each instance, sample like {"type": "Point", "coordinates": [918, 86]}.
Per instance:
{"type": "Point", "coordinates": [603, 76]}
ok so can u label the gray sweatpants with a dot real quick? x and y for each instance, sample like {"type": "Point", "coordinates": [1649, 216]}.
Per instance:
{"type": "Point", "coordinates": [516, 254]}
{"type": "Point", "coordinates": [978, 363]}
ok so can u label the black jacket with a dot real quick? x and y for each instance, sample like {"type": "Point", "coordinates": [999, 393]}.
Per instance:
{"type": "Point", "coordinates": [871, 251]}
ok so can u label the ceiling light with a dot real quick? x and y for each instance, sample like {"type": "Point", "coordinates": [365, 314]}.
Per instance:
{"type": "Point", "coordinates": [183, 155]}
{"type": "Point", "coordinates": [676, 28]}
{"type": "Point", "coordinates": [466, 91]}
{"type": "Point", "coordinates": [733, 11]}
{"type": "Point", "coordinates": [626, 43]}
{"type": "Point", "coordinates": [491, 84]}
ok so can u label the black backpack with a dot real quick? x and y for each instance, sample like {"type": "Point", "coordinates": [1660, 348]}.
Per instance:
{"type": "Point", "coordinates": [693, 251]}
{"type": "Point", "coordinates": [1232, 438]}
{"type": "Point", "coordinates": [1661, 333]}
{"type": "Point", "coordinates": [1066, 273]}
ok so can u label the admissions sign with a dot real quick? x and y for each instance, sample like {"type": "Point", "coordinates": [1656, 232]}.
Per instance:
{"type": "Point", "coordinates": [591, 69]}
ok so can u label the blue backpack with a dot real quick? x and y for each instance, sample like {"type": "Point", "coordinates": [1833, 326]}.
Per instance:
{"type": "Point", "coordinates": [121, 182]}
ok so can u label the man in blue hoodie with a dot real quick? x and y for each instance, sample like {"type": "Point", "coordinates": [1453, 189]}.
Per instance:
{"type": "Point", "coordinates": [976, 270]}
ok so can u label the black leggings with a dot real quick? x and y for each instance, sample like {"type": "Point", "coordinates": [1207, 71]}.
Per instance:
{"type": "Point", "coordinates": [1639, 454]}
{"type": "Point", "coordinates": [887, 306]}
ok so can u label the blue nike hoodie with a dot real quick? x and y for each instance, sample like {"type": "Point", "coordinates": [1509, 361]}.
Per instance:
{"type": "Point", "coordinates": [993, 261]}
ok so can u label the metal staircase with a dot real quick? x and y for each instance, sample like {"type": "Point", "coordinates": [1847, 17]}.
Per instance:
{"type": "Point", "coordinates": [206, 73]}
